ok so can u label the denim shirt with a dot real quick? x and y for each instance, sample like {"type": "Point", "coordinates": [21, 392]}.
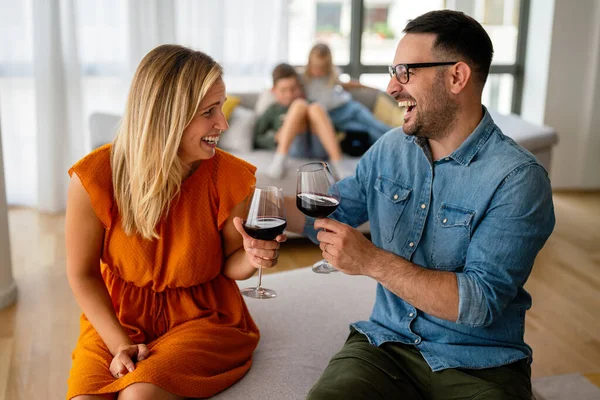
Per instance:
{"type": "Point", "coordinates": [483, 213]}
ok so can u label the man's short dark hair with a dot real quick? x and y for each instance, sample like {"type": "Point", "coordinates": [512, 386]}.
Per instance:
{"type": "Point", "coordinates": [458, 38]}
{"type": "Point", "coordinates": [283, 71]}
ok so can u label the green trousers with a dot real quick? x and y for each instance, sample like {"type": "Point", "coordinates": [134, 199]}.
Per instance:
{"type": "Point", "coordinates": [399, 372]}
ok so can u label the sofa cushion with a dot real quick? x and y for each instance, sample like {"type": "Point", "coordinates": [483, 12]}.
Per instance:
{"type": "Point", "coordinates": [231, 103]}
{"type": "Point", "coordinates": [239, 136]}
{"type": "Point", "coordinates": [387, 111]}
{"type": "Point", "coordinates": [264, 101]}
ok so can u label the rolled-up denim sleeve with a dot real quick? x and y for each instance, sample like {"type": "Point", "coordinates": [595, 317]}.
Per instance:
{"type": "Point", "coordinates": [504, 245]}
{"type": "Point", "coordinates": [353, 204]}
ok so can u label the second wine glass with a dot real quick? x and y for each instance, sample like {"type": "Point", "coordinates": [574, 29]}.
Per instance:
{"type": "Point", "coordinates": [317, 196]}
{"type": "Point", "coordinates": [265, 220]}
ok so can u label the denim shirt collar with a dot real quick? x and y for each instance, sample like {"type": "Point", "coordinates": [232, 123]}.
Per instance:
{"type": "Point", "coordinates": [471, 146]}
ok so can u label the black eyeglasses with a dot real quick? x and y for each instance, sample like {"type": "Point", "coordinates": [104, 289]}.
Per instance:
{"type": "Point", "coordinates": [401, 70]}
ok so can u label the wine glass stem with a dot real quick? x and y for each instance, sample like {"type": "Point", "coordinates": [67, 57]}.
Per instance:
{"type": "Point", "coordinates": [259, 279]}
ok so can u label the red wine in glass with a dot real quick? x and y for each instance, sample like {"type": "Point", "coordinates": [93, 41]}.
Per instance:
{"type": "Point", "coordinates": [317, 196]}
{"type": "Point", "coordinates": [265, 228]}
{"type": "Point", "coordinates": [316, 205]}
{"type": "Point", "coordinates": [265, 219]}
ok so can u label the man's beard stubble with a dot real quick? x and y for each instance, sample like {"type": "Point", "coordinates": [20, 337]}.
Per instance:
{"type": "Point", "coordinates": [437, 121]}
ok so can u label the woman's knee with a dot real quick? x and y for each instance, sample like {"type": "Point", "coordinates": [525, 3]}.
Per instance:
{"type": "Point", "coordinates": [145, 391]}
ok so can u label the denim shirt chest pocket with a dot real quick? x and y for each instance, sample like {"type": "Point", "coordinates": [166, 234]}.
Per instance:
{"type": "Point", "coordinates": [392, 198]}
{"type": "Point", "coordinates": [451, 237]}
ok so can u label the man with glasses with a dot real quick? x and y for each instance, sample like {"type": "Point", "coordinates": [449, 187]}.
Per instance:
{"type": "Point", "coordinates": [458, 213]}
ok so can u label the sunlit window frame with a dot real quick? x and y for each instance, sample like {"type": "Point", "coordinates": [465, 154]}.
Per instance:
{"type": "Point", "coordinates": [355, 68]}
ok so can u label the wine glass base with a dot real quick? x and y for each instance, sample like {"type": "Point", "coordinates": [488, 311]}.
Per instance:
{"type": "Point", "coordinates": [323, 267]}
{"type": "Point", "coordinates": [259, 293]}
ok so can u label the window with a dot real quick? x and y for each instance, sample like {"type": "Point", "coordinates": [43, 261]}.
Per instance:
{"type": "Point", "coordinates": [376, 22]}
{"type": "Point", "coordinates": [363, 35]}
{"type": "Point", "coordinates": [330, 20]}
{"type": "Point", "coordinates": [500, 18]}
{"type": "Point", "coordinates": [497, 93]}
{"type": "Point", "coordinates": [378, 45]}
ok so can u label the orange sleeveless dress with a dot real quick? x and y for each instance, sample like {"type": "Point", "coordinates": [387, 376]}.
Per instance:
{"type": "Point", "coordinates": [170, 293]}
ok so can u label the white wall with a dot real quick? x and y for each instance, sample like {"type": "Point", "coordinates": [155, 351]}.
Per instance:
{"type": "Point", "coordinates": [562, 86]}
{"type": "Point", "coordinates": [591, 142]}
{"type": "Point", "coordinates": [537, 60]}
{"type": "Point", "coordinates": [8, 289]}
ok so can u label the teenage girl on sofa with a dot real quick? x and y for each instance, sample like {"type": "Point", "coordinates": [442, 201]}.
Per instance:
{"type": "Point", "coordinates": [322, 85]}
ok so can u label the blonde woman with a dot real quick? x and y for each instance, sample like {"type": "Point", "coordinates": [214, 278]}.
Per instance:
{"type": "Point", "coordinates": [155, 242]}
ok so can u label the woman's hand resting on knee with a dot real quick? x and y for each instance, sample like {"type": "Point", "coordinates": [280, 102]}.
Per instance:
{"type": "Point", "coordinates": [125, 358]}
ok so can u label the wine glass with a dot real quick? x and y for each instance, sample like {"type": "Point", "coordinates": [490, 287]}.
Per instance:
{"type": "Point", "coordinates": [265, 220]}
{"type": "Point", "coordinates": [317, 196]}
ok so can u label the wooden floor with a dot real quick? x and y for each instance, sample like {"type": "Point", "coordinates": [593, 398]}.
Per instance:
{"type": "Point", "coordinates": [38, 333]}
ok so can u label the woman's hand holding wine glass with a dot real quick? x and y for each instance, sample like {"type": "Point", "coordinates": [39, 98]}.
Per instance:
{"type": "Point", "coordinates": [264, 220]}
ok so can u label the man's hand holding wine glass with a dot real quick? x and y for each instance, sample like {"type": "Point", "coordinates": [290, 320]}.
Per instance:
{"type": "Point", "coordinates": [317, 196]}
{"type": "Point", "coordinates": [345, 247]}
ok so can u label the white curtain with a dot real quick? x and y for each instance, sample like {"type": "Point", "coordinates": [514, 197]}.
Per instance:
{"type": "Point", "coordinates": [62, 60]}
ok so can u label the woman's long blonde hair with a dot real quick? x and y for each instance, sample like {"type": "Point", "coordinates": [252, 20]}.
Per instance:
{"type": "Point", "coordinates": [164, 96]}
{"type": "Point", "coordinates": [321, 50]}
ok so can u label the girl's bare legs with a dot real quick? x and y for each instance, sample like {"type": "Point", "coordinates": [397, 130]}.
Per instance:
{"type": "Point", "coordinates": [293, 124]}
{"type": "Point", "coordinates": [320, 125]}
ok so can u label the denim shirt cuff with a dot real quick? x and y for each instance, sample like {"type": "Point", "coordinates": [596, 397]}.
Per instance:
{"type": "Point", "coordinates": [472, 309]}
{"type": "Point", "coordinates": [309, 230]}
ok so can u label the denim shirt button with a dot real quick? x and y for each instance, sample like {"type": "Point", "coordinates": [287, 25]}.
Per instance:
{"type": "Point", "coordinates": [445, 220]}
{"type": "Point", "coordinates": [423, 206]}
{"type": "Point", "coordinates": [411, 314]}
{"type": "Point", "coordinates": [411, 244]}
{"type": "Point", "coordinates": [417, 340]}
{"type": "Point", "coordinates": [395, 197]}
